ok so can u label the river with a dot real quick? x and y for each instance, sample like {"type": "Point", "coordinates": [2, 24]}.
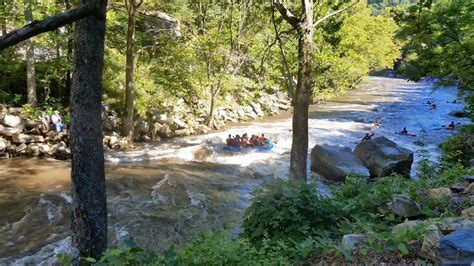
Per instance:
{"type": "Point", "coordinates": [163, 193]}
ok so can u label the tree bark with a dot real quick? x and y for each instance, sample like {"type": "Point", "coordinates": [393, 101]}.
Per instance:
{"type": "Point", "coordinates": [302, 95]}
{"type": "Point", "coordinates": [30, 60]}
{"type": "Point", "coordinates": [3, 24]}
{"type": "Point", "coordinates": [48, 24]}
{"type": "Point", "coordinates": [129, 81]}
{"type": "Point", "coordinates": [89, 219]}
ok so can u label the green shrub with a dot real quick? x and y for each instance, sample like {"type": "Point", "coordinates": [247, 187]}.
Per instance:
{"type": "Point", "coordinates": [459, 148]}
{"type": "Point", "coordinates": [288, 210]}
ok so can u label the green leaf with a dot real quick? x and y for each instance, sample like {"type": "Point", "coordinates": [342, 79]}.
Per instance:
{"type": "Point", "coordinates": [403, 248]}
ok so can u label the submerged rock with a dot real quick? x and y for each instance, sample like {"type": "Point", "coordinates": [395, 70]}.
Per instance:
{"type": "Point", "coordinates": [383, 157]}
{"type": "Point", "coordinates": [457, 248]}
{"type": "Point", "coordinates": [335, 162]}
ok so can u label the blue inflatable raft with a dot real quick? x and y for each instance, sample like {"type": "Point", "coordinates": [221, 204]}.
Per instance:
{"type": "Point", "coordinates": [268, 146]}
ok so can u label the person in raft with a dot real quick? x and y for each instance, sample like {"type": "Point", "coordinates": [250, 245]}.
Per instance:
{"type": "Point", "coordinates": [451, 125]}
{"type": "Point", "coordinates": [229, 141]}
{"type": "Point", "coordinates": [404, 131]}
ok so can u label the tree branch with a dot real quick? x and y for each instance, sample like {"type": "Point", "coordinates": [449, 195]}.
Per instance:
{"type": "Point", "coordinates": [321, 20]}
{"type": "Point", "coordinates": [286, 14]}
{"type": "Point", "coordinates": [48, 24]}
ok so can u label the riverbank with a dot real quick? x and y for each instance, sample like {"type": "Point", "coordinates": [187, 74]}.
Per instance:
{"type": "Point", "coordinates": [21, 133]}
{"type": "Point", "coordinates": [163, 193]}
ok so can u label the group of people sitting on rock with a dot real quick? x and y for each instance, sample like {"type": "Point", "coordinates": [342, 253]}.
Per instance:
{"type": "Point", "coordinates": [245, 141]}
{"type": "Point", "coordinates": [55, 119]}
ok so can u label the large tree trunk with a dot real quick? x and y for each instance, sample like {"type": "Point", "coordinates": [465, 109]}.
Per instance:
{"type": "Point", "coordinates": [129, 82]}
{"type": "Point", "coordinates": [210, 117]}
{"type": "Point", "coordinates": [30, 60]}
{"type": "Point", "coordinates": [3, 23]}
{"type": "Point", "coordinates": [89, 219]}
{"type": "Point", "coordinates": [302, 95]}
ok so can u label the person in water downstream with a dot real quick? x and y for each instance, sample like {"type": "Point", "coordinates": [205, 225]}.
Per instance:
{"type": "Point", "coordinates": [367, 136]}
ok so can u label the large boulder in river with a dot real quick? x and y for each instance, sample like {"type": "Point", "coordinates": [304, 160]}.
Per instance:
{"type": "Point", "coordinates": [384, 157]}
{"type": "Point", "coordinates": [458, 113]}
{"type": "Point", "coordinates": [335, 162]}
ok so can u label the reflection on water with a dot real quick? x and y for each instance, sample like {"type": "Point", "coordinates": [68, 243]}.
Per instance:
{"type": "Point", "coordinates": [162, 193]}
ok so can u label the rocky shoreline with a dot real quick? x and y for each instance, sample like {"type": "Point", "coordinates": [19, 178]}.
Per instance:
{"type": "Point", "coordinates": [23, 136]}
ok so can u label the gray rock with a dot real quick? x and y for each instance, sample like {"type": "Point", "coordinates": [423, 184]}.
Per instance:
{"type": "Point", "coordinates": [33, 149]}
{"type": "Point", "coordinates": [13, 121]}
{"type": "Point", "coordinates": [155, 129]}
{"type": "Point", "coordinates": [3, 144]}
{"type": "Point", "coordinates": [63, 152]}
{"type": "Point", "coordinates": [4, 155]}
{"type": "Point", "coordinates": [431, 240]}
{"type": "Point", "coordinates": [182, 132]}
{"type": "Point", "coordinates": [439, 193]}
{"type": "Point", "coordinates": [408, 225]}
{"type": "Point", "coordinates": [113, 142]}
{"type": "Point", "coordinates": [257, 108]}
{"type": "Point", "coordinates": [457, 188]}
{"type": "Point", "coordinates": [383, 157]}
{"type": "Point", "coordinates": [335, 162]}
{"type": "Point", "coordinates": [15, 110]}
{"type": "Point", "coordinates": [162, 118]}
{"type": "Point", "coordinates": [142, 127]}
{"type": "Point", "coordinates": [9, 131]}
{"type": "Point", "coordinates": [21, 148]}
{"type": "Point", "coordinates": [178, 124]}
{"type": "Point", "coordinates": [470, 188]}
{"type": "Point", "coordinates": [469, 178]}
{"type": "Point", "coordinates": [454, 224]}
{"type": "Point", "coordinates": [457, 247]}
{"type": "Point", "coordinates": [352, 240]}
{"type": "Point", "coordinates": [24, 138]}
{"type": "Point", "coordinates": [403, 206]}
{"type": "Point", "coordinates": [166, 132]}
{"type": "Point", "coordinates": [471, 163]}
{"type": "Point", "coordinates": [468, 213]}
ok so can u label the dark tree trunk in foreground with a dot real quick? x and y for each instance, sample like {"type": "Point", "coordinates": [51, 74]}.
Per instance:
{"type": "Point", "coordinates": [302, 95]}
{"type": "Point", "coordinates": [30, 60]}
{"type": "Point", "coordinates": [89, 219]}
{"type": "Point", "coordinates": [129, 81]}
